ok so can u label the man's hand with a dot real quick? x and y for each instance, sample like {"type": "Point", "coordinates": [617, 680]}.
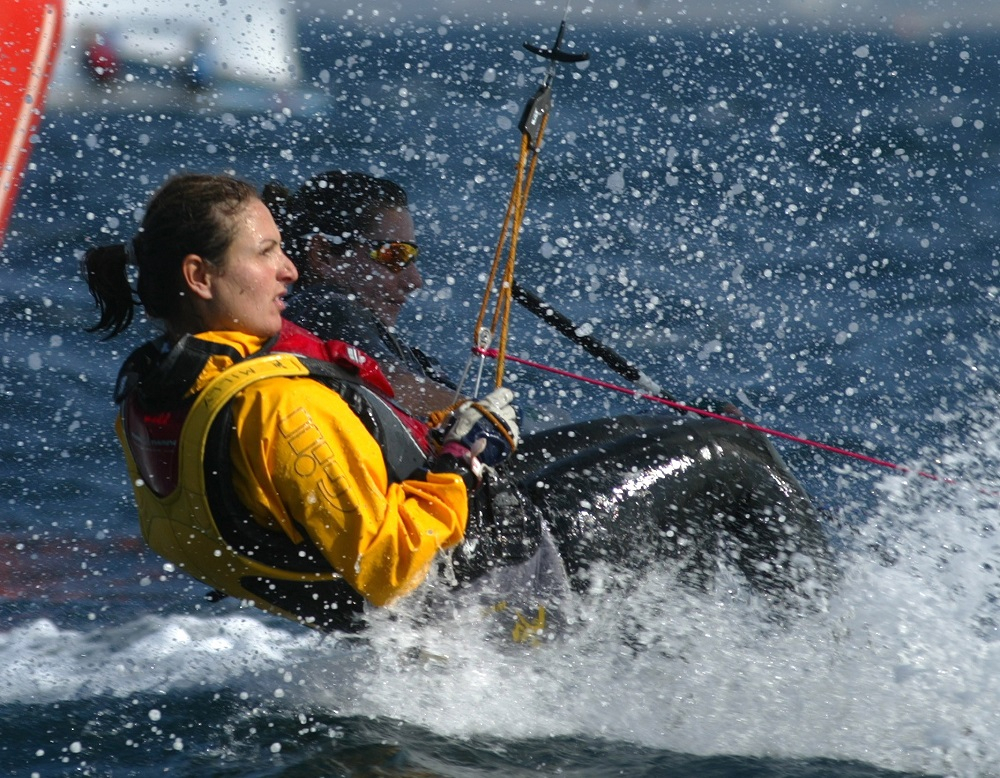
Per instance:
{"type": "Point", "coordinates": [487, 427]}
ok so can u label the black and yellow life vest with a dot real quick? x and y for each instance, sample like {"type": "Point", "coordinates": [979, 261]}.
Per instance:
{"type": "Point", "coordinates": [201, 526]}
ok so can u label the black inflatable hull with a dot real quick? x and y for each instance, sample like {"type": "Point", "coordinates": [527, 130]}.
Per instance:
{"type": "Point", "coordinates": [702, 491]}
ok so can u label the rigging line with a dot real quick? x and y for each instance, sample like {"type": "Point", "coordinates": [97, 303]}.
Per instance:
{"type": "Point", "coordinates": [507, 288]}
{"type": "Point", "coordinates": [532, 128]}
{"type": "Point", "coordinates": [483, 335]}
{"type": "Point", "coordinates": [505, 228]}
{"type": "Point", "coordinates": [733, 420]}
{"type": "Point", "coordinates": [533, 122]}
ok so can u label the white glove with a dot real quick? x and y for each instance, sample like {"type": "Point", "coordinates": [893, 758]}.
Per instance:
{"type": "Point", "coordinates": [487, 427]}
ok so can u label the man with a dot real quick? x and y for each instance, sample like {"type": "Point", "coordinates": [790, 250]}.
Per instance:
{"type": "Point", "coordinates": [352, 239]}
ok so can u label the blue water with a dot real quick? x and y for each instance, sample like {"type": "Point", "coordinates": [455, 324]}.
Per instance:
{"type": "Point", "coordinates": [797, 218]}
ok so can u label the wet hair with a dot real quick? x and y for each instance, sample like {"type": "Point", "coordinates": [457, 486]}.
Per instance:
{"type": "Point", "coordinates": [338, 203]}
{"type": "Point", "coordinates": [192, 213]}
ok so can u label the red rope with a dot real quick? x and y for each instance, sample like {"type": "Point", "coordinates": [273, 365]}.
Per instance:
{"type": "Point", "coordinates": [730, 419]}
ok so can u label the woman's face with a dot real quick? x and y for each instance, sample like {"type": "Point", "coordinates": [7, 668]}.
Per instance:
{"type": "Point", "coordinates": [377, 286]}
{"type": "Point", "coordinates": [247, 292]}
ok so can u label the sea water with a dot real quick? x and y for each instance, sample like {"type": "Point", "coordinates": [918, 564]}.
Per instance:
{"type": "Point", "coordinates": [798, 219]}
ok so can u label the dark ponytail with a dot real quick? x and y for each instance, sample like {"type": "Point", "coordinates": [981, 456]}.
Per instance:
{"type": "Point", "coordinates": [193, 213]}
{"type": "Point", "coordinates": [106, 269]}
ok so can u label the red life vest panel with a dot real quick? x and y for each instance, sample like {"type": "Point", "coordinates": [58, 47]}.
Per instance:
{"type": "Point", "coordinates": [153, 440]}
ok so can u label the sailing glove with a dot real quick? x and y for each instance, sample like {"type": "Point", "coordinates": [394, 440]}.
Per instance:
{"type": "Point", "coordinates": [486, 427]}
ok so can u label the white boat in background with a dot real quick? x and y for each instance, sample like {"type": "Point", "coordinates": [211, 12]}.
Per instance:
{"type": "Point", "coordinates": [155, 54]}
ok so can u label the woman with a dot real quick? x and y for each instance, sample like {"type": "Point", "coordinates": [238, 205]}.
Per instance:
{"type": "Point", "coordinates": [351, 237]}
{"type": "Point", "coordinates": [276, 467]}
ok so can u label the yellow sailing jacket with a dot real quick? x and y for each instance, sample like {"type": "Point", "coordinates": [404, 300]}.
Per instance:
{"type": "Point", "coordinates": [311, 476]}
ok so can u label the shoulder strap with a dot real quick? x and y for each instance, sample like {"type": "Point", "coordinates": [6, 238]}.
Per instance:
{"type": "Point", "coordinates": [403, 454]}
